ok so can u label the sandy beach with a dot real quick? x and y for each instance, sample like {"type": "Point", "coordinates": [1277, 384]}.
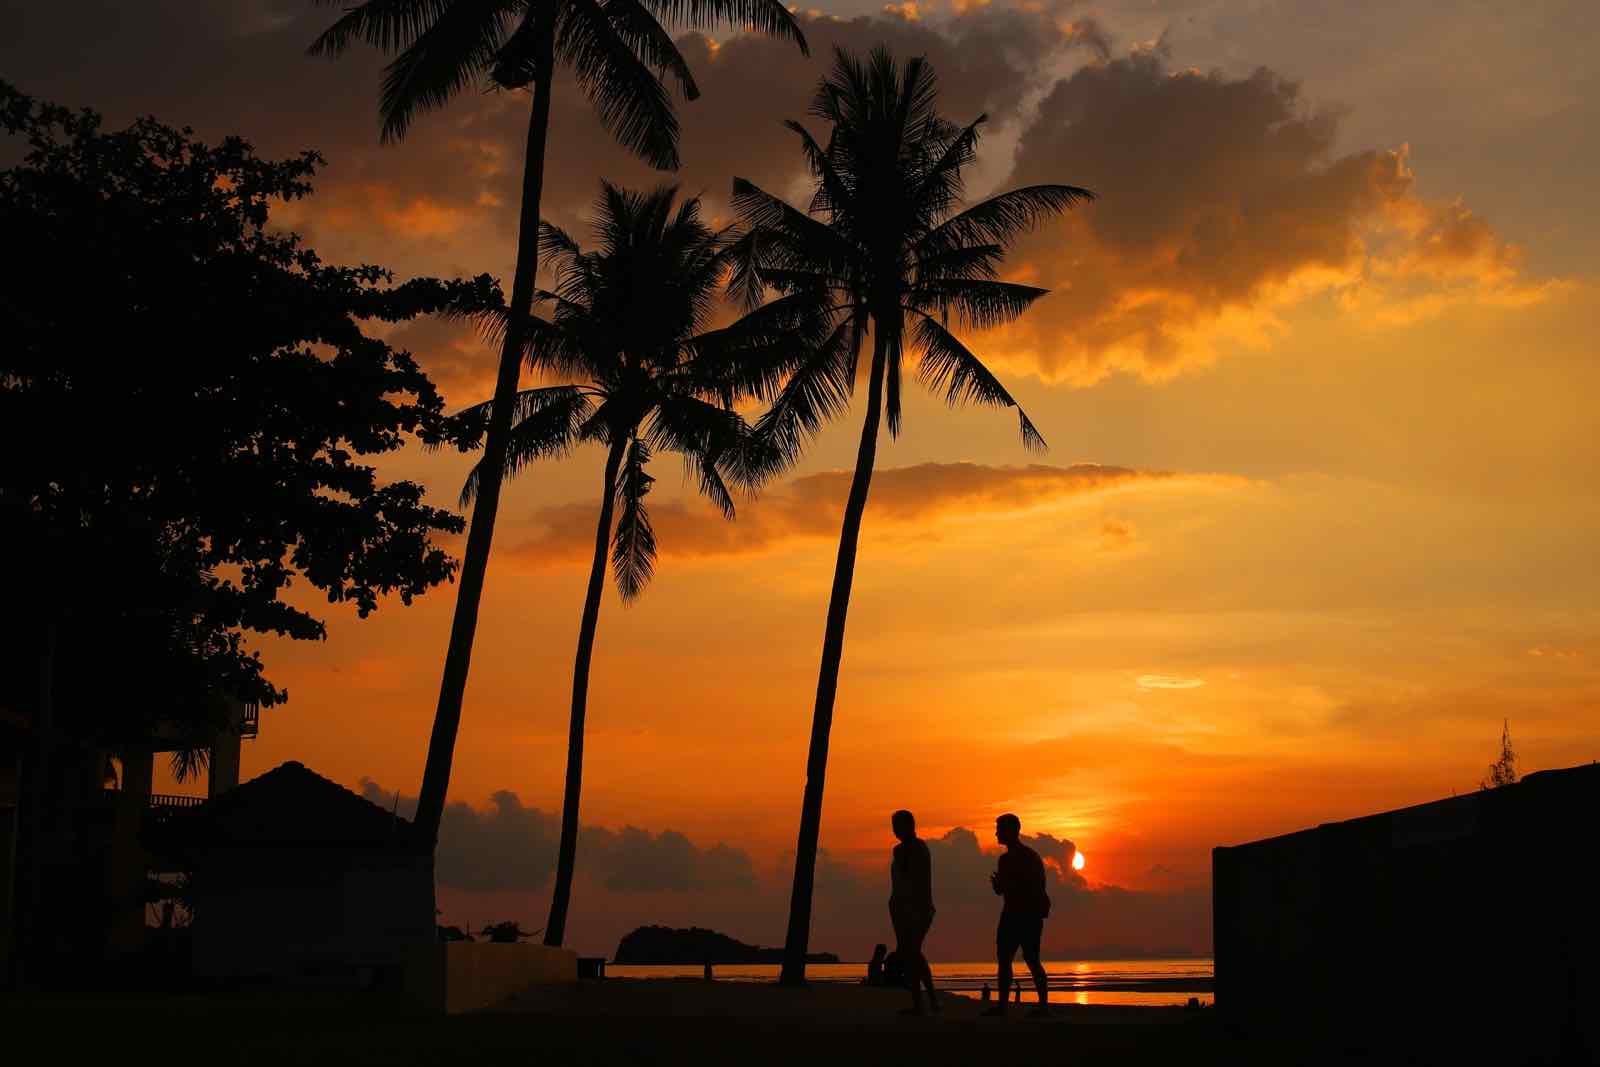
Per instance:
{"type": "Point", "coordinates": [620, 1021]}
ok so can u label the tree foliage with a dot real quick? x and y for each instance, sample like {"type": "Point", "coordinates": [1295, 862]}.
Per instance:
{"type": "Point", "coordinates": [1502, 771]}
{"type": "Point", "coordinates": [627, 328]}
{"type": "Point", "coordinates": [620, 51]}
{"type": "Point", "coordinates": [188, 403]}
{"type": "Point", "coordinates": [885, 249]}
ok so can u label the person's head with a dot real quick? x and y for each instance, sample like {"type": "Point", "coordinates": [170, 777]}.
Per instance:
{"type": "Point", "coordinates": [1007, 829]}
{"type": "Point", "coordinates": [904, 823]}
{"type": "Point", "coordinates": [878, 952]}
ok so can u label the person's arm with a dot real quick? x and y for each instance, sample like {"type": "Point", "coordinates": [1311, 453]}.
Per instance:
{"type": "Point", "coordinates": [997, 880]}
{"type": "Point", "coordinates": [924, 871]}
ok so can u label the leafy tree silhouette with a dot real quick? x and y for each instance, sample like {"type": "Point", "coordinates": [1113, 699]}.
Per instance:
{"type": "Point", "coordinates": [619, 50]}
{"type": "Point", "coordinates": [1502, 771]}
{"type": "Point", "coordinates": [626, 321]}
{"type": "Point", "coordinates": [208, 393]}
{"type": "Point", "coordinates": [883, 251]}
{"type": "Point", "coordinates": [187, 397]}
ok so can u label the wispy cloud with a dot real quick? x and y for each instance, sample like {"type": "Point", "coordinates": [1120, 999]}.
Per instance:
{"type": "Point", "coordinates": [812, 507]}
{"type": "Point", "coordinates": [1148, 682]}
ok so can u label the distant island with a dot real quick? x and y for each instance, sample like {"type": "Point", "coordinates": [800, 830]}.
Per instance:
{"type": "Point", "coordinates": [662, 944]}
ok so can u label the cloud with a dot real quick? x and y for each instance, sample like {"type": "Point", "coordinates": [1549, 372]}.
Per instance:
{"type": "Point", "coordinates": [1083, 918]}
{"type": "Point", "coordinates": [1148, 682]}
{"type": "Point", "coordinates": [812, 506]}
{"type": "Point", "coordinates": [452, 354]}
{"type": "Point", "coordinates": [1221, 202]}
{"type": "Point", "coordinates": [507, 846]}
{"type": "Point", "coordinates": [493, 859]}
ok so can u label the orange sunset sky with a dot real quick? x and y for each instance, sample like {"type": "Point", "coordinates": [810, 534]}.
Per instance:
{"type": "Point", "coordinates": [1317, 375]}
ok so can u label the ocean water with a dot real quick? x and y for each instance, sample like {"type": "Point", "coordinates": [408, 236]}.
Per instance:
{"type": "Point", "coordinates": [1143, 982]}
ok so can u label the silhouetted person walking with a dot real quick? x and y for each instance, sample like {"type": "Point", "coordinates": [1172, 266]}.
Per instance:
{"type": "Point", "coordinates": [1019, 880]}
{"type": "Point", "coordinates": [911, 906]}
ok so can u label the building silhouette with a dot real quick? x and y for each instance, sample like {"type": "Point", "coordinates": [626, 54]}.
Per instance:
{"type": "Point", "coordinates": [1471, 920]}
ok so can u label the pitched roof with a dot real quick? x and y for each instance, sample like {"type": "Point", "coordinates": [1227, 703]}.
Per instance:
{"type": "Point", "coordinates": [292, 804]}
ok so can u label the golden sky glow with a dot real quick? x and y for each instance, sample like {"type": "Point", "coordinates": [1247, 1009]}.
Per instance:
{"type": "Point", "coordinates": [1318, 511]}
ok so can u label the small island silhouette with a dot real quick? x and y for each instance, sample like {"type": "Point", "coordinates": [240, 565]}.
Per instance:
{"type": "Point", "coordinates": [696, 945]}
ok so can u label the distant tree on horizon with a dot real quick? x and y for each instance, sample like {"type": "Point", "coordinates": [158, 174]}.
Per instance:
{"type": "Point", "coordinates": [883, 250]}
{"type": "Point", "coordinates": [1502, 771]}
{"type": "Point", "coordinates": [626, 321]}
{"type": "Point", "coordinates": [619, 51]}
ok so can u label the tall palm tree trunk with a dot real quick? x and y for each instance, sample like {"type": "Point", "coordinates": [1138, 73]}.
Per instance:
{"type": "Point", "coordinates": [566, 858]}
{"type": "Point", "coordinates": [805, 851]}
{"type": "Point", "coordinates": [475, 562]}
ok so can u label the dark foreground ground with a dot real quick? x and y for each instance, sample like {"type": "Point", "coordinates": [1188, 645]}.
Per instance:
{"type": "Point", "coordinates": [651, 1022]}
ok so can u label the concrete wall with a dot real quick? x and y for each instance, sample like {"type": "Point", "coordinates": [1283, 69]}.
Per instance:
{"type": "Point", "coordinates": [473, 975]}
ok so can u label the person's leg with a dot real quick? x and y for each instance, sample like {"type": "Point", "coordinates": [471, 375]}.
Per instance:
{"type": "Point", "coordinates": [908, 946]}
{"type": "Point", "coordinates": [927, 968]}
{"type": "Point", "coordinates": [1030, 954]}
{"type": "Point", "coordinates": [1005, 944]}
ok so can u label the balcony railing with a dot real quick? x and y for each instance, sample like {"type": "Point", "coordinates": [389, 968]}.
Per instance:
{"type": "Point", "coordinates": [250, 722]}
{"type": "Point", "coordinates": [168, 801]}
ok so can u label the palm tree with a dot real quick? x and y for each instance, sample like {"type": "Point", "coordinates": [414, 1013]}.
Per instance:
{"type": "Point", "coordinates": [619, 51]}
{"type": "Point", "coordinates": [627, 324]}
{"type": "Point", "coordinates": [883, 251]}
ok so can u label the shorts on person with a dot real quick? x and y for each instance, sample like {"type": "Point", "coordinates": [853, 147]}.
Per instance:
{"type": "Point", "coordinates": [1018, 930]}
{"type": "Point", "coordinates": [911, 922]}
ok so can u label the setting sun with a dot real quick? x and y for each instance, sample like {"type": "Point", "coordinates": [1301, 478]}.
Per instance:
{"type": "Point", "coordinates": [1077, 861]}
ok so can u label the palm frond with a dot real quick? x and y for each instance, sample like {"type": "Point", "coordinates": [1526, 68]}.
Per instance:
{"type": "Point", "coordinates": [948, 366]}
{"type": "Point", "coordinates": [979, 303]}
{"type": "Point", "coordinates": [833, 195]}
{"type": "Point", "coordinates": [389, 25]}
{"type": "Point", "coordinates": [705, 435]}
{"type": "Point", "coordinates": [891, 380]}
{"type": "Point", "coordinates": [633, 545]}
{"type": "Point", "coordinates": [546, 423]}
{"type": "Point", "coordinates": [459, 46]}
{"type": "Point", "coordinates": [780, 237]}
{"type": "Point", "coordinates": [649, 41]}
{"type": "Point", "coordinates": [968, 261]}
{"type": "Point", "coordinates": [941, 187]}
{"type": "Point", "coordinates": [752, 356]}
{"type": "Point", "coordinates": [529, 46]}
{"type": "Point", "coordinates": [554, 242]}
{"type": "Point", "coordinates": [631, 101]}
{"type": "Point", "coordinates": [1001, 219]}
{"type": "Point", "coordinates": [767, 17]}
{"type": "Point", "coordinates": [817, 390]}
{"type": "Point", "coordinates": [190, 763]}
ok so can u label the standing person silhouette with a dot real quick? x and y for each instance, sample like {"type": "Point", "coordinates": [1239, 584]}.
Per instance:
{"type": "Point", "coordinates": [1019, 880]}
{"type": "Point", "coordinates": [911, 907]}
